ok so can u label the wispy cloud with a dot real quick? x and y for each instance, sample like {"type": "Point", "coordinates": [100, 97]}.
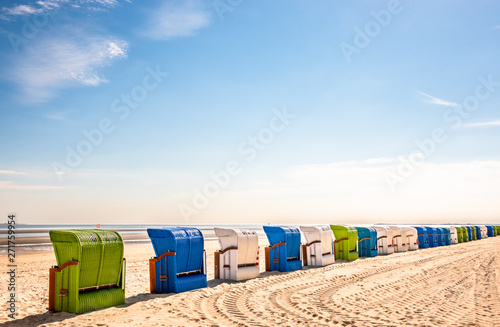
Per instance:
{"type": "Point", "coordinates": [12, 172]}
{"type": "Point", "coordinates": [9, 185]}
{"type": "Point", "coordinates": [177, 19]}
{"type": "Point", "coordinates": [8, 13]}
{"type": "Point", "coordinates": [21, 10]}
{"type": "Point", "coordinates": [484, 124]}
{"type": "Point", "coordinates": [434, 100]}
{"type": "Point", "coordinates": [48, 65]}
{"type": "Point", "coordinates": [496, 27]}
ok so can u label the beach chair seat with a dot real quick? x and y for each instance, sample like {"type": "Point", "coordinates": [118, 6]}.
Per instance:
{"type": "Point", "coordinates": [432, 234]}
{"type": "Point", "coordinates": [423, 237]}
{"type": "Point", "coordinates": [384, 239]}
{"type": "Point", "coordinates": [460, 236]}
{"type": "Point", "coordinates": [484, 231]}
{"type": "Point", "coordinates": [473, 233]}
{"type": "Point", "coordinates": [412, 238]}
{"type": "Point", "coordinates": [465, 233]}
{"type": "Point", "coordinates": [90, 271]}
{"type": "Point", "coordinates": [399, 239]}
{"type": "Point", "coordinates": [490, 231]}
{"type": "Point", "coordinates": [238, 255]}
{"type": "Point", "coordinates": [283, 253]}
{"type": "Point", "coordinates": [319, 249]}
{"type": "Point", "coordinates": [477, 230]}
{"type": "Point", "coordinates": [180, 262]}
{"type": "Point", "coordinates": [367, 242]}
{"type": "Point", "coordinates": [441, 236]}
{"type": "Point", "coordinates": [453, 235]}
{"type": "Point", "coordinates": [346, 242]}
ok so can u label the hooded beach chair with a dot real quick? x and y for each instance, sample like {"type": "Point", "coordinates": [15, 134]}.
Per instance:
{"type": "Point", "coordinates": [423, 237]}
{"type": "Point", "coordinates": [319, 248]}
{"type": "Point", "coordinates": [367, 242]}
{"type": "Point", "coordinates": [453, 235]}
{"type": "Point", "coordinates": [441, 236]}
{"type": "Point", "coordinates": [484, 231]}
{"type": "Point", "coordinates": [238, 255]}
{"type": "Point", "coordinates": [478, 232]}
{"type": "Point", "coordinates": [283, 253]}
{"type": "Point", "coordinates": [496, 230]}
{"type": "Point", "coordinates": [412, 237]}
{"type": "Point", "coordinates": [490, 231]}
{"type": "Point", "coordinates": [469, 233]}
{"type": "Point", "coordinates": [465, 234]}
{"type": "Point", "coordinates": [180, 262]}
{"type": "Point", "coordinates": [473, 233]}
{"type": "Point", "coordinates": [460, 235]}
{"type": "Point", "coordinates": [384, 239]}
{"type": "Point", "coordinates": [433, 236]}
{"type": "Point", "coordinates": [90, 271]}
{"type": "Point", "coordinates": [399, 240]}
{"type": "Point", "coordinates": [346, 242]}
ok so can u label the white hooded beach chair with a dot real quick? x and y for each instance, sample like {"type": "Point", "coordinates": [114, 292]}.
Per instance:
{"type": "Point", "coordinates": [237, 258]}
{"type": "Point", "coordinates": [399, 239]}
{"type": "Point", "coordinates": [319, 248]}
{"type": "Point", "coordinates": [484, 232]}
{"type": "Point", "coordinates": [453, 235]}
{"type": "Point", "coordinates": [384, 239]}
{"type": "Point", "coordinates": [411, 238]}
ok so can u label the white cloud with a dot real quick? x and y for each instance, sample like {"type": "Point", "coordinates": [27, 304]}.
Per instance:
{"type": "Point", "coordinates": [9, 185]}
{"type": "Point", "coordinates": [496, 27]}
{"type": "Point", "coordinates": [484, 124]}
{"type": "Point", "coordinates": [48, 65]}
{"type": "Point", "coordinates": [21, 10]}
{"type": "Point", "coordinates": [434, 100]}
{"type": "Point", "coordinates": [12, 172]}
{"type": "Point", "coordinates": [47, 5]}
{"type": "Point", "coordinates": [177, 19]}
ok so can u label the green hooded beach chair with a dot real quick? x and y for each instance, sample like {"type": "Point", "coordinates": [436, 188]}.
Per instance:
{"type": "Point", "coordinates": [90, 271]}
{"type": "Point", "coordinates": [346, 242]}
{"type": "Point", "coordinates": [474, 233]}
{"type": "Point", "coordinates": [465, 234]}
{"type": "Point", "coordinates": [459, 234]}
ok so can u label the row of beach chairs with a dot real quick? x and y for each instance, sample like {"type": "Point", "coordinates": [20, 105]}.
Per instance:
{"type": "Point", "coordinates": [91, 269]}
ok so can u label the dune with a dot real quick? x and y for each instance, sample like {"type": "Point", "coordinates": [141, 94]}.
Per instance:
{"type": "Point", "coordinates": [457, 285]}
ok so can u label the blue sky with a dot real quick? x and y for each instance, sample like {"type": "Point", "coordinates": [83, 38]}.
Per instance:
{"type": "Point", "coordinates": [306, 112]}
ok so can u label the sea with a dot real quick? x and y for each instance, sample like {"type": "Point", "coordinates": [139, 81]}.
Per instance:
{"type": "Point", "coordinates": [36, 237]}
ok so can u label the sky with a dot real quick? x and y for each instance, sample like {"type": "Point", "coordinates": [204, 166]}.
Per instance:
{"type": "Point", "coordinates": [250, 112]}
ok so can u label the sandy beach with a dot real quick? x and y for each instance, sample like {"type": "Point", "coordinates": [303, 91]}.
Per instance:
{"type": "Point", "coordinates": [457, 285]}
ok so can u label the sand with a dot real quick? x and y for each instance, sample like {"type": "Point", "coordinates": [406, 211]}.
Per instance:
{"type": "Point", "coordinates": [457, 285]}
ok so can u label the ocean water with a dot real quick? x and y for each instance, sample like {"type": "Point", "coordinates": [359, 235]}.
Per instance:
{"type": "Point", "coordinates": [36, 237]}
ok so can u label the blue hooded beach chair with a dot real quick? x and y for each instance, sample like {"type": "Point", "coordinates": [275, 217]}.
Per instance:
{"type": "Point", "coordinates": [433, 236]}
{"type": "Point", "coordinates": [283, 254]}
{"type": "Point", "coordinates": [180, 262]}
{"type": "Point", "coordinates": [367, 240]}
{"type": "Point", "coordinates": [447, 235]}
{"type": "Point", "coordinates": [423, 238]}
{"type": "Point", "coordinates": [442, 236]}
{"type": "Point", "coordinates": [491, 231]}
{"type": "Point", "coordinates": [478, 232]}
